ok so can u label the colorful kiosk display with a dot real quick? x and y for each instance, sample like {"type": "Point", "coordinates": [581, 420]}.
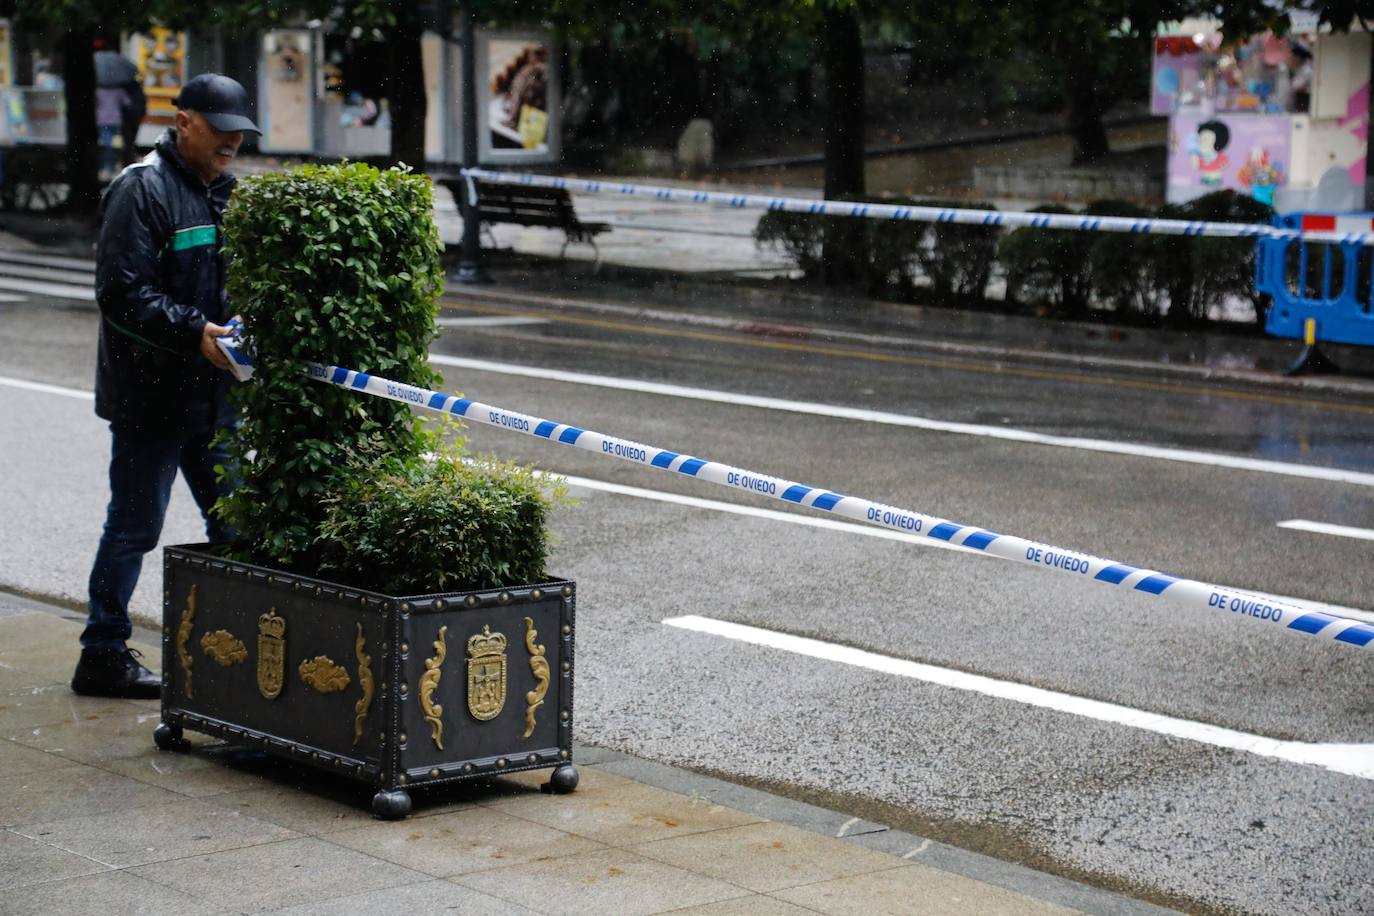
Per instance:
{"type": "Point", "coordinates": [319, 93]}
{"type": "Point", "coordinates": [1284, 119]}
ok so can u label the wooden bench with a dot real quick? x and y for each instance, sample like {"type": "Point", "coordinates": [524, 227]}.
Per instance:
{"type": "Point", "coordinates": [527, 205]}
{"type": "Point", "coordinates": [32, 177]}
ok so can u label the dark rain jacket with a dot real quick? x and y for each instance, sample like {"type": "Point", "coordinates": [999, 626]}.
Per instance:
{"type": "Point", "coordinates": [159, 277]}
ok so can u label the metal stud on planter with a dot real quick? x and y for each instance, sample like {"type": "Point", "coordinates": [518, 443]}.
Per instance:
{"type": "Point", "coordinates": [399, 691]}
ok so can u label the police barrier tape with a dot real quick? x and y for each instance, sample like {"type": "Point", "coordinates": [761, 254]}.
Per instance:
{"type": "Point", "coordinates": [1236, 604]}
{"type": "Point", "coordinates": [1005, 218]}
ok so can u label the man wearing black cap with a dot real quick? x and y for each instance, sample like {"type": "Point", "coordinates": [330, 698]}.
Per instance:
{"type": "Point", "coordinates": [159, 379]}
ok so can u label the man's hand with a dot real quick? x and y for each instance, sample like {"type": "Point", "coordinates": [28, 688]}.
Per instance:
{"type": "Point", "coordinates": [209, 349]}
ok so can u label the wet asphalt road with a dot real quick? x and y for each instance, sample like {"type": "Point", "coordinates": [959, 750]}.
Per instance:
{"type": "Point", "coordinates": [1172, 819]}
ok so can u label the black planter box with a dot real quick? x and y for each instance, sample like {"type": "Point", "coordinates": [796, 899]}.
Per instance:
{"type": "Point", "coordinates": [396, 691]}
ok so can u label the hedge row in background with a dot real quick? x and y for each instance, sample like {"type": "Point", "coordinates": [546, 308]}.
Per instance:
{"type": "Point", "coordinates": [1132, 278]}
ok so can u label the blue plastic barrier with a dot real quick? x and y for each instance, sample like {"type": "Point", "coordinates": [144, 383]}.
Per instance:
{"type": "Point", "coordinates": [1321, 291]}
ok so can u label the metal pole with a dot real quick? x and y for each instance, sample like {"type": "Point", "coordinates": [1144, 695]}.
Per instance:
{"type": "Point", "coordinates": [470, 259]}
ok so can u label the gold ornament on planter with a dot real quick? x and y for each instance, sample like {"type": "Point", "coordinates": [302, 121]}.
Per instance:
{"type": "Point", "coordinates": [361, 708]}
{"type": "Point", "coordinates": [429, 681]}
{"type": "Point", "coordinates": [321, 673]}
{"type": "Point", "coordinates": [540, 667]}
{"type": "Point", "coordinates": [188, 619]}
{"type": "Point", "coordinates": [224, 647]}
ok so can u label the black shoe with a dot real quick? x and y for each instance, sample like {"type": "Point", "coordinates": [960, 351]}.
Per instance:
{"type": "Point", "coordinates": [115, 673]}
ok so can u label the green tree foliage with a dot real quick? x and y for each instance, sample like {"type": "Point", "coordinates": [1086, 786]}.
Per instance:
{"type": "Point", "coordinates": [333, 265]}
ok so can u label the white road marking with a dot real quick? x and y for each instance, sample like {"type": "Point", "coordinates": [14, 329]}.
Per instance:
{"type": "Point", "coordinates": [1349, 759]}
{"type": "Point", "coordinates": [46, 273]}
{"type": "Point", "coordinates": [59, 290]}
{"type": "Point", "coordinates": [1234, 462]}
{"type": "Point", "coordinates": [1344, 531]}
{"type": "Point", "coordinates": [925, 844]}
{"type": "Point", "coordinates": [46, 260]}
{"type": "Point", "coordinates": [47, 389]}
{"type": "Point", "coordinates": [487, 321]}
{"type": "Point", "coordinates": [845, 826]}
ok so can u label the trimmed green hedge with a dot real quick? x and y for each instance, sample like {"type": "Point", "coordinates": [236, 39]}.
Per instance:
{"type": "Point", "coordinates": [340, 265]}
{"type": "Point", "coordinates": [1126, 277]}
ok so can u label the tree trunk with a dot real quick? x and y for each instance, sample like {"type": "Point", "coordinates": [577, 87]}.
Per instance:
{"type": "Point", "coordinates": [1085, 106]}
{"type": "Point", "coordinates": [843, 257]}
{"type": "Point", "coordinates": [405, 93]}
{"type": "Point", "coordinates": [82, 151]}
{"type": "Point", "coordinates": [843, 55]}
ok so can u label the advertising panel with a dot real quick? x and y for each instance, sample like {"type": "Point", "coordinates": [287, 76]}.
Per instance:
{"type": "Point", "coordinates": [1248, 154]}
{"type": "Point", "coordinates": [517, 98]}
{"type": "Point", "coordinates": [160, 55]}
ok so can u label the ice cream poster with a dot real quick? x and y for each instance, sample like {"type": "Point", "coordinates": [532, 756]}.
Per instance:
{"type": "Point", "coordinates": [1246, 154]}
{"type": "Point", "coordinates": [518, 95]}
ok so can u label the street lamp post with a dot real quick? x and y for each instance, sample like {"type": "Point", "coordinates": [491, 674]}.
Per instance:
{"type": "Point", "coordinates": [470, 258]}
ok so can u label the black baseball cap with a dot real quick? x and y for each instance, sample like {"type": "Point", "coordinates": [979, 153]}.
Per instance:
{"type": "Point", "coordinates": [223, 102]}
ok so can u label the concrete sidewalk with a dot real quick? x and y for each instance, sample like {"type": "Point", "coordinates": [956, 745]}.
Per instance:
{"type": "Point", "coordinates": [96, 820]}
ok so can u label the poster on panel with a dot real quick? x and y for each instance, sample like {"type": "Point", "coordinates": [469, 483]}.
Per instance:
{"type": "Point", "coordinates": [286, 91]}
{"type": "Point", "coordinates": [517, 98]}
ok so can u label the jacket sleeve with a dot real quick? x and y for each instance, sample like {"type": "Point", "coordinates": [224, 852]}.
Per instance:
{"type": "Point", "coordinates": [128, 283]}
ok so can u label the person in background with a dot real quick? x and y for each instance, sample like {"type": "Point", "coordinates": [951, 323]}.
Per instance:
{"type": "Point", "coordinates": [110, 103]}
{"type": "Point", "coordinates": [161, 378]}
{"type": "Point", "coordinates": [135, 108]}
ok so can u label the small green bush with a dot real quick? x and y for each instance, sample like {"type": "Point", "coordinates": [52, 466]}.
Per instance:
{"type": "Point", "coordinates": [798, 236]}
{"type": "Point", "coordinates": [1123, 275]}
{"type": "Point", "coordinates": [875, 254]}
{"type": "Point", "coordinates": [1199, 272]}
{"type": "Point", "coordinates": [956, 259]}
{"type": "Point", "coordinates": [330, 264]}
{"type": "Point", "coordinates": [1047, 266]}
{"type": "Point", "coordinates": [446, 524]}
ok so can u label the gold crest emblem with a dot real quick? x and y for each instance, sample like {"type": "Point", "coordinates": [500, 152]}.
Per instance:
{"type": "Point", "coordinates": [271, 654]}
{"type": "Point", "coordinates": [486, 675]}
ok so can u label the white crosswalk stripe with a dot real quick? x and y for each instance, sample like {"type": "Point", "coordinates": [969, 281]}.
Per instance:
{"type": "Point", "coordinates": [45, 275]}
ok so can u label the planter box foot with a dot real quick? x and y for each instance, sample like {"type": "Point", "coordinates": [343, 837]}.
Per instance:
{"type": "Point", "coordinates": [169, 738]}
{"type": "Point", "coordinates": [563, 780]}
{"type": "Point", "coordinates": [391, 804]}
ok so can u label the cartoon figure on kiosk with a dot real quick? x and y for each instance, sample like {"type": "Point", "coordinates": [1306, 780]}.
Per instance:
{"type": "Point", "coordinates": [1260, 175]}
{"type": "Point", "coordinates": [1205, 151]}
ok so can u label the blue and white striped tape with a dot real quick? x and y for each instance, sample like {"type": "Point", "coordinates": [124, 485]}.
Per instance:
{"type": "Point", "coordinates": [1257, 608]}
{"type": "Point", "coordinates": [1011, 219]}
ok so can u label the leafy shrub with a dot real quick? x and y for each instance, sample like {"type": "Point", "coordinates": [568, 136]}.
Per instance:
{"type": "Point", "coordinates": [1047, 266]}
{"type": "Point", "coordinates": [797, 235]}
{"type": "Point", "coordinates": [876, 254]}
{"type": "Point", "coordinates": [336, 265]}
{"type": "Point", "coordinates": [443, 525]}
{"type": "Point", "coordinates": [1123, 272]}
{"type": "Point", "coordinates": [1201, 272]}
{"type": "Point", "coordinates": [956, 259]}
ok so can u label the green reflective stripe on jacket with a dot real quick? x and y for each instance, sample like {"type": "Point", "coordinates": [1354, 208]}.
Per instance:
{"type": "Point", "coordinates": [193, 237]}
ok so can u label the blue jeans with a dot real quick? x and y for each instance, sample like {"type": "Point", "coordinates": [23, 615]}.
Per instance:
{"type": "Point", "coordinates": [109, 157]}
{"type": "Point", "coordinates": [142, 470]}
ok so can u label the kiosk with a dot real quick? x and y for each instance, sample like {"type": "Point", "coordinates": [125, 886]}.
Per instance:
{"type": "Point", "coordinates": [1283, 119]}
